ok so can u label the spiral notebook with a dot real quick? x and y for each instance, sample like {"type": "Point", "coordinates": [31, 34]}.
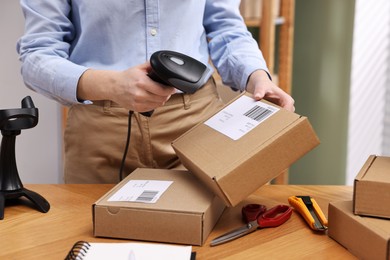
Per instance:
{"type": "Point", "coordinates": [83, 250]}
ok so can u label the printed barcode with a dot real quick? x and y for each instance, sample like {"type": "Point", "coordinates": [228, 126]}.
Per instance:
{"type": "Point", "coordinates": [147, 196]}
{"type": "Point", "coordinates": [258, 113]}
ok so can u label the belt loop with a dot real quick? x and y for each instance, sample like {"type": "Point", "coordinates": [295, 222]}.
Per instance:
{"type": "Point", "coordinates": [186, 101]}
{"type": "Point", "coordinates": [106, 105]}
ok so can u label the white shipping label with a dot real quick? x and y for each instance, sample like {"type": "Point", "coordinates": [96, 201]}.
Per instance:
{"type": "Point", "coordinates": [146, 191]}
{"type": "Point", "coordinates": [240, 117]}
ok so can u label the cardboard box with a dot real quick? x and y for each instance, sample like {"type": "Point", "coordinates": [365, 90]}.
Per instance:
{"type": "Point", "coordinates": [372, 188]}
{"type": "Point", "coordinates": [184, 214]}
{"type": "Point", "coordinates": [364, 237]}
{"type": "Point", "coordinates": [244, 146]}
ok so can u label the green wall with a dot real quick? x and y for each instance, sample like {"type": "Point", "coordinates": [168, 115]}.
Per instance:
{"type": "Point", "coordinates": [321, 80]}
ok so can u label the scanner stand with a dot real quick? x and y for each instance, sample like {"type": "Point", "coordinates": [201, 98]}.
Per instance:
{"type": "Point", "coordinates": [11, 187]}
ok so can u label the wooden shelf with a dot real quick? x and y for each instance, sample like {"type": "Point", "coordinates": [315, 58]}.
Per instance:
{"type": "Point", "coordinates": [252, 22]}
{"type": "Point", "coordinates": [273, 16]}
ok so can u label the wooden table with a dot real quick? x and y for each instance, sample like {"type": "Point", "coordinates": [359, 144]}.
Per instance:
{"type": "Point", "coordinates": [28, 234]}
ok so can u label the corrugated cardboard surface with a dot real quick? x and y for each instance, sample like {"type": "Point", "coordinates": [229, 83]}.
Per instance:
{"type": "Point", "coordinates": [372, 188]}
{"type": "Point", "coordinates": [233, 169]}
{"type": "Point", "coordinates": [365, 237]}
{"type": "Point", "coordinates": [185, 214]}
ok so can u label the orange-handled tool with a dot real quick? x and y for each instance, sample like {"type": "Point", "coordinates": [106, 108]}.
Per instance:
{"type": "Point", "coordinates": [310, 211]}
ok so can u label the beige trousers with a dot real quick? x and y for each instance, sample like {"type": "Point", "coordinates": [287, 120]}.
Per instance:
{"type": "Point", "coordinates": [95, 136]}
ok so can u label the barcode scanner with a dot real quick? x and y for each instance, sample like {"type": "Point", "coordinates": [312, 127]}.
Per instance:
{"type": "Point", "coordinates": [173, 69]}
{"type": "Point", "coordinates": [179, 71]}
{"type": "Point", "coordinates": [12, 122]}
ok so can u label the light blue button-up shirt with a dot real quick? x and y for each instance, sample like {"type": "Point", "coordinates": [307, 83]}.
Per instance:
{"type": "Point", "coordinates": [63, 38]}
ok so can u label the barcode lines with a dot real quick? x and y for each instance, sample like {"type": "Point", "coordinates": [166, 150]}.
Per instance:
{"type": "Point", "coordinates": [258, 113]}
{"type": "Point", "coordinates": [147, 195]}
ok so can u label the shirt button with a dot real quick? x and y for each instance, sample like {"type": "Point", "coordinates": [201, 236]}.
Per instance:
{"type": "Point", "coordinates": [153, 32]}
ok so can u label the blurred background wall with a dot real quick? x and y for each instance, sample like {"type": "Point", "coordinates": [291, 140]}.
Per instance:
{"type": "Point", "coordinates": [341, 64]}
{"type": "Point", "coordinates": [38, 150]}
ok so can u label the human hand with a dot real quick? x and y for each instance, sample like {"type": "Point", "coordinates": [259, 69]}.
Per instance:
{"type": "Point", "coordinates": [131, 88]}
{"type": "Point", "coordinates": [137, 91]}
{"type": "Point", "coordinates": [262, 87]}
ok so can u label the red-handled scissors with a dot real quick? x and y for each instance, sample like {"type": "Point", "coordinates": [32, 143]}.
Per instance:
{"type": "Point", "coordinates": [256, 216]}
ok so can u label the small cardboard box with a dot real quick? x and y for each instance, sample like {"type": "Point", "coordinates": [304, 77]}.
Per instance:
{"type": "Point", "coordinates": [244, 146]}
{"type": "Point", "coordinates": [184, 214]}
{"type": "Point", "coordinates": [372, 188]}
{"type": "Point", "coordinates": [364, 237]}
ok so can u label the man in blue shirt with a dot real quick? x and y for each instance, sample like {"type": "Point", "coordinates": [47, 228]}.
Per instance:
{"type": "Point", "coordinates": [93, 55]}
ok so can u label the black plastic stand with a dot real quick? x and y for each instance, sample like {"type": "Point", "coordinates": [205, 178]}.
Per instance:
{"type": "Point", "coordinates": [12, 121]}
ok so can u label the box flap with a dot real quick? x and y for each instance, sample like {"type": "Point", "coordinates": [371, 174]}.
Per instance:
{"type": "Point", "coordinates": [371, 186]}
{"type": "Point", "coordinates": [370, 160]}
{"type": "Point", "coordinates": [152, 225]}
{"type": "Point", "coordinates": [194, 197]}
{"type": "Point", "coordinates": [378, 170]}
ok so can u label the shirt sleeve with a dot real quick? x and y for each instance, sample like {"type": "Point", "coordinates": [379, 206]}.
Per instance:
{"type": "Point", "coordinates": [233, 51]}
{"type": "Point", "coordinates": [44, 50]}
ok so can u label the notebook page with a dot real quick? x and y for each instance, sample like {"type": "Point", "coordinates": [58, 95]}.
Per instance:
{"type": "Point", "coordinates": [137, 251]}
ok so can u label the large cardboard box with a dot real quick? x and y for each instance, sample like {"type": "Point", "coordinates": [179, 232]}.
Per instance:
{"type": "Point", "coordinates": [184, 214]}
{"type": "Point", "coordinates": [244, 146]}
{"type": "Point", "coordinates": [365, 237]}
{"type": "Point", "coordinates": [372, 188]}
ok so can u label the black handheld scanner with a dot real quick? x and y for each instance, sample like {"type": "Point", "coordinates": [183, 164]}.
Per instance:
{"type": "Point", "coordinates": [179, 71]}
